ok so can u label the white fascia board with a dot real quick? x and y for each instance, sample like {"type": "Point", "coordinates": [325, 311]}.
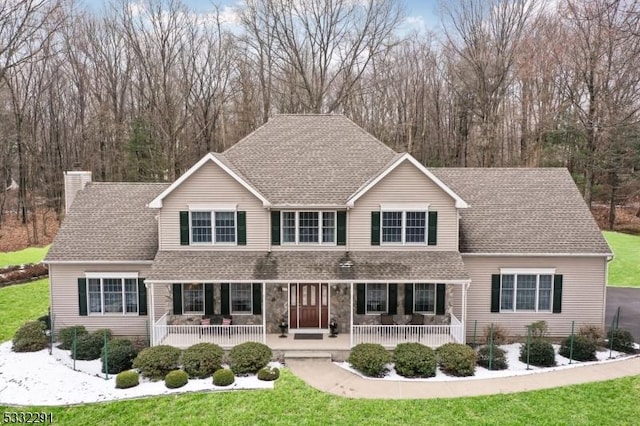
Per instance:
{"type": "Point", "coordinates": [218, 207]}
{"type": "Point", "coordinates": [386, 207]}
{"type": "Point", "coordinates": [156, 203]}
{"type": "Point", "coordinates": [280, 281]}
{"type": "Point", "coordinates": [111, 274]}
{"type": "Point", "coordinates": [97, 262]}
{"type": "Point", "coordinates": [460, 203]}
{"type": "Point", "coordinates": [536, 254]}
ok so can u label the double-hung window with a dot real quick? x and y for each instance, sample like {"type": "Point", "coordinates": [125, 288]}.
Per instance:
{"type": "Point", "coordinates": [376, 298]}
{"type": "Point", "coordinates": [308, 227]}
{"type": "Point", "coordinates": [404, 227]}
{"type": "Point", "coordinates": [213, 227]}
{"type": "Point", "coordinates": [526, 290]}
{"type": "Point", "coordinates": [241, 298]}
{"type": "Point", "coordinates": [424, 298]}
{"type": "Point", "coordinates": [117, 294]}
{"type": "Point", "coordinates": [193, 298]}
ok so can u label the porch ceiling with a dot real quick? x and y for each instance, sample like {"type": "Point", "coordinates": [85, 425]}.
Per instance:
{"type": "Point", "coordinates": [176, 266]}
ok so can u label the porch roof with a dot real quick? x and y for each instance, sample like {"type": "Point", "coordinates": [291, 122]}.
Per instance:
{"type": "Point", "coordinates": [223, 266]}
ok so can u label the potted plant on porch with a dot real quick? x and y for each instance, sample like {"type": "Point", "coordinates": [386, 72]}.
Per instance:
{"type": "Point", "coordinates": [283, 327]}
{"type": "Point", "coordinates": [333, 327]}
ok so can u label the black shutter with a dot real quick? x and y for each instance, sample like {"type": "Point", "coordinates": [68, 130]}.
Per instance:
{"type": "Point", "coordinates": [360, 299]}
{"type": "Point", "coordinates": [275, 227]}
{"type": "Point", "coordinates": [82, 296]}
{"type": "Point", "coordinates": [433, 229]}
{"type": "Point", "coordinates": [441, 291]}
{"type": "Point", "coordinates": [495, 293]}
{"type": "Point", "coordinates": [224, 299]}
{"type": "Point", "coordinates": [142, 297]}
{"type": "Point", "coordinates": [242, 228]}
{"type": "Point", "coordinates": [557, 294]}
{"type": "Point", "coordinates": [408, 299]}
{"type": "Point", "coordinates": [177, 299]}
{"type": "Point", "coordinates": [342, 228]}
{"type": "Point", "coordinates": [257, 298]}
{"type": "Point", "coordinates": [208, 299]}
{"type": "Point", "coordinates": [184, 228]}
{"type": "Point", "coordinates": [375, 228]}
{"type": "Point", "coordinates": [393, 299]}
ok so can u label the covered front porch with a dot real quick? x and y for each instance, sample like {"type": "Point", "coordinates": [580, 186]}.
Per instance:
{"type": "Point", "coordinates": [387, 309]}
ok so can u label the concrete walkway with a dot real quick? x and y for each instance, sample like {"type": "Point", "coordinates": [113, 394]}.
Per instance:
{"type": "Point", "coordinates": [325, 376]}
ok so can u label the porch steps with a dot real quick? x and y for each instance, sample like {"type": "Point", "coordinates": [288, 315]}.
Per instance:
{"type": "Point", "coordinates": [299, 355]}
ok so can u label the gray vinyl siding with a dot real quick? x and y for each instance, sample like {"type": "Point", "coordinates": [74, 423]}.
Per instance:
{"type": "Point", "coordinates": [211, 184]}
{"type": "Point", "coordinates": [63, 282]}
{"type": "Point", "coordinates": [583, 294]}
{"type": "Point", "coordinates": [405, 184]}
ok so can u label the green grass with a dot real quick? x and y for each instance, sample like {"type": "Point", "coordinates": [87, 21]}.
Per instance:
{"type": "Point", "coordinates": [21, 303]}
{"type": "Point", "coordinates": [624, 270]}
{"type": "Point", "coordinates": [28, 255]}
{"type": "Point", "coordinates": [292, 402]}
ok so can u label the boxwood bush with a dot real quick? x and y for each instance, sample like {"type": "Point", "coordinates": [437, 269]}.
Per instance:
{"type": "Point", "coordinates": [247, 358]}
{"type": "Point", "coordinates": [584, 348]}
{"type": "Point", "coordinates": [202, 359]}
{"type": "Point", "coordinates": [223, 377]}
{"type": "Point", "coordinates": [622, 341]}
{"type": "Point", "coordinates": [65, 336]}
{"type": "Point", "coordinates": [370, 359]}
{"type": "Point", "coordinates": [127, 379]}
{"type": "Point", "coordinates": [541, 354]}
{"type": "Point", "coordinates": [30, 337]}
{"type": "Point", "coordinates": [498, 358]}
{"type": "Point", "coordinates": [457, 359]}
{"type": "Point", "coordinates": [176, 379]}
{"type": "Point", "coordinates": [121, 354]}
{"type": "Point", "coordinates": [414, 360]}
{"type": "Point", "coordinates": [155, 362]}
{"type": "Point", "coordinates": [268, 374]}
{"type": "Point", "coordinates": [89, 346]}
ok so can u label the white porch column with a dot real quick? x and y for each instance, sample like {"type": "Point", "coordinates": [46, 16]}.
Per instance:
{"type": "Point", "coordinates": [351, 319]}
{"type": "Point", "coordinates": [264, 313]}
{"type": "Point", "coordinates": [465, 287]}
{"type": "Point", "coordinates": [152, 312]}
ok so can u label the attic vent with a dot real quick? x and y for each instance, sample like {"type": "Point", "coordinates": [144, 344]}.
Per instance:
{"type": "Point", "coordinates": [346, 264]}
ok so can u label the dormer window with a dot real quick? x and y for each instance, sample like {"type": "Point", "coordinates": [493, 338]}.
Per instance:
{"type": "Point", "coordinates": [209, 227]}
{"type": "Point", "coordinates": [308, 227]}
{"type": "Point", "coordinates": [404, 224]}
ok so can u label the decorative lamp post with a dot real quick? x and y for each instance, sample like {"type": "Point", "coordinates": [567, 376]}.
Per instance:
{"type": "Point", "coordinates": [333, 327]}
{"type": "Point", "coordinates": [283, 327]}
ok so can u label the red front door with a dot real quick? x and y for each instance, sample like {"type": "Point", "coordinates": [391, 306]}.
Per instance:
{"type": "Point", "coordinates": [308, 305]}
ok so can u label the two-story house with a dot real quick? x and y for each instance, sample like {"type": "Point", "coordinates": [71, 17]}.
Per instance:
{"type": "Point", "coordinates": [310, 219]}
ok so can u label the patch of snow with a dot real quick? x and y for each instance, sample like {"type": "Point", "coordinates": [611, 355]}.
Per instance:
{"type": "Point", "coordinates": [37, 378]}
{"type": "Point", "coordinates": [515, 366]}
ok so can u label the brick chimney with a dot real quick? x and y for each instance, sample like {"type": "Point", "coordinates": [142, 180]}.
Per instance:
{"type": "Point", "coordinates": [74, 181]}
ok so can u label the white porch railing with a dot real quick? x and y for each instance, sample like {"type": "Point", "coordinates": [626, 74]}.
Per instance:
{"type": "Point", "coordinates": [391, 335]}
{"type": "Point", "coordinates": [225, 336]}
{"type": "Point", "coordinates": [159, 331]}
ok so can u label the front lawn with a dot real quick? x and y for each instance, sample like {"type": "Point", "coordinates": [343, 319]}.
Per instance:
{"type": "Point", "coordinates": [292, 402]}
{"type": "Point", "coordinates": [28, 255]}
{"type": "Point", "coordinates": [21, 303]}
{"type": "Point", "coordinates": [624, 270]}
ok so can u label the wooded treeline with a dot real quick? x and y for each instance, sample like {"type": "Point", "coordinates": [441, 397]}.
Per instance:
{"type": "Point", "coordinates": [142, 90]}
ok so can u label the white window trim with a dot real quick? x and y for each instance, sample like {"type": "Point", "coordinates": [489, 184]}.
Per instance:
{"type": "Point", "coordinates": [184, 311]}
{"type": "Point", "coordinates": [533, 271]}
{"type": "Point", "coordinates": [366, 300]}
{"type": "Point", "coordinates": [231, 311]}
{"type": "Point", "coordinates": [214, 207]}
{"type": "Point", "coordinates": [435, 299]}
{"type": "Point", "coordinates": [213, 228]}
{"type": "Point", "coordinates": [320, 228]}
{"type": "Point", "coordinates": [121, 276]}
{"type": "Point", "coordinates": [403, 241]}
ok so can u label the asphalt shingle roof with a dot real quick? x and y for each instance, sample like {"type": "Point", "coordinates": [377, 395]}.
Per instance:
{"type": "Point", "coordinates": [307, 265]}
{"type": "Point", "coordinates": [522, 211]}
{"type": "Point", "coordinates": [109, 221]}
{"type": "Point", "coordinates": [309, 159]}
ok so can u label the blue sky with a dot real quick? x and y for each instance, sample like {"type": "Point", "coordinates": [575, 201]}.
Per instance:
{"type": "Point", "coordinates": [421, 14]}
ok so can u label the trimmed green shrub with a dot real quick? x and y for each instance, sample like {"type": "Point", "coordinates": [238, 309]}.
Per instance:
{"type": "Point", "coordinates": [121, 355]}
{"type": "Point", "coordinates": [248, 358]}
{"type": "Point", "coordinates": [90, 346]}
{"type": "Point", "coordinates": [414, 360]}
{"type": "Point", "coordinates": [457, 359]}
{"type": "Point", "coordinates": [176, 379]}
{"type": "Point", "coordinates": [622, 341]}
{"type": "Point", "coordinates": [46, 320]}
{"type": "Point", "coordinates": [30, 337]}
{"type": "Point", "coordinates": [202, 359]}
{"type": "Point", "coordinates": [268, 374]}
{"type": "Point", "coordinates": [370, 359]}
{"type": "Point", "coordinates": [498, 358]}
{"type": "Point", "coordinates": [541, 354]}
{"type": "Point", "coordinates": [584, 349]}
{"type": "Point", "coordinates": [127, 379]}
{"type": "Point", "coordinates": [65, 336]}
{"type": "Point", "coordinates": [155, 362]}
{"type": "Point", "coordinates": [223, 377]}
